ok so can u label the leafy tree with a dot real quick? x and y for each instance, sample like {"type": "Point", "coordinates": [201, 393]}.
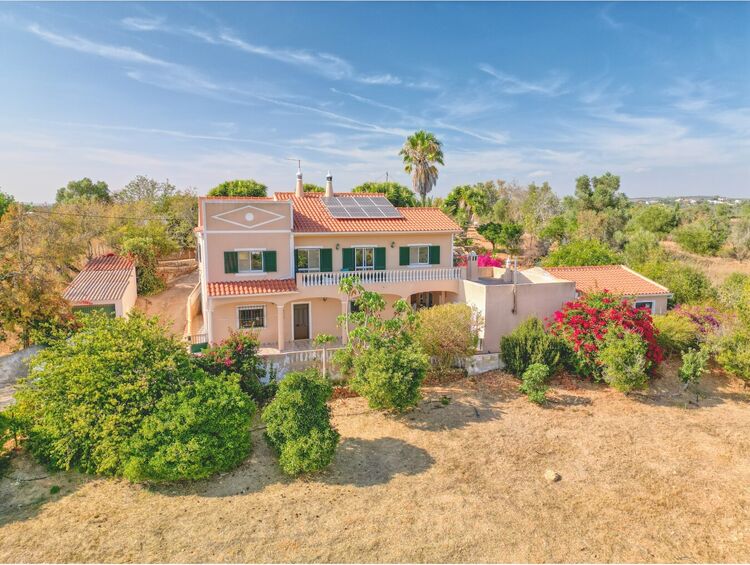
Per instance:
{"type": "Point", "coordinates": [739, 238]}
{"type": "Point", "coordinates": [534, 382]}
{"type": "Point", "coordinates": [145, 243]}
{"type": "Point", "coordinates": [420, 153]}
{"type": "Point", "coordinates": [180, 211]}
{"type": "Point", "coordinates": [731, 291]}
{"type": "Point", "coordinates": [84, 189]}
{"type": "Point", "coordinates": [601, 211]}
{"type": "Point", "coordinates": [5, 201]}
{"type": "Point", "coordinates": [704, 237]}
{"type": "Point", "coordinates": [658, 219]}
{"type": "Point", "coordinates": [448, 332]}
{"type": "Point", "coordinates": [508, 235]}
{"type": "Point", "coordinates": [530, 344]}
{"type": "Point", "coordinates": [31, 277]}
{"type": "Point", "coordinates": [142, 188]}
{"type": "Point", "coordinates": [642, 245]}
{"type": "Point", "coordinates": [202, 429]}
{"type": "Point", "coordinates": [247, 187]}
{"type": "Point", "coordinates": [556, 230]}
{"type": "Point", "coordinates": [624, 361]}
{"type": "Point", "coordinates": [465, 204]}
{"type": "Point", "coordinates": [540, 206]}
{"type": "Point", "coordinates": [582, 252]}
{"type": "Point", "coordinates": [396, 193]}
{"type": "Point", "coordinates": [92, 399]}
{"type": "Point", "coordinates": [386, 364]}
{"type": "Point", "coordinates": [298, 423]}
{"type": "Point", "coordinates": [310, 187]}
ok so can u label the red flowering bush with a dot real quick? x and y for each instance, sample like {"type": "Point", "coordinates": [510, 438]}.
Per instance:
{"type": "Point", "coordinates": [488, 261]}
{"type": "Point", "coordinates": [239, 354]}
{"type": "Point", "coordinates": [583, 323]}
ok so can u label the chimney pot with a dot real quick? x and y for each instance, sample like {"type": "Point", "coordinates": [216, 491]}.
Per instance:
{"type": "Point", "coordinates": [329, 185]}
{"type": "Point", "coordinates": [299, 190]}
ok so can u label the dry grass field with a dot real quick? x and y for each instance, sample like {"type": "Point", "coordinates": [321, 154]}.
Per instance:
{"type": "Point", "coordinates": [645, 478]}
{"type": "Point", "coordinates": [716, 268]}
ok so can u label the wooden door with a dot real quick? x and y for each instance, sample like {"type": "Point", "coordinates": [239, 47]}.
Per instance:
{"type": "Point", "coordinates": [301, 314]}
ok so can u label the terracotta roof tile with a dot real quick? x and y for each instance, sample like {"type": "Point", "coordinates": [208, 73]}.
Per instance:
{"type": "Point", "coordinates": [240, 288]}
{"type": "Point", "coordinates": [103, 278]}
{"type": "Point", "coordinates": [615, 278]}
{"type": "Point", "coordinates": [310, 215]}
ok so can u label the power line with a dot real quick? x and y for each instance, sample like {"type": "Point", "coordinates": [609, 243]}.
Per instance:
{"type": "Point", "coordinates": [82, 215]}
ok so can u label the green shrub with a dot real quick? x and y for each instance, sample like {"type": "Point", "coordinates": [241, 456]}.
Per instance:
{"type": "Point", "coordinates": [534, 382]}
{"type": "Point", "coordinates": [623, 360]}
{"type": "Point", "coordinates": [86, 398]}
{"type": "Point", "coordinates": [239, 187]}
{"type": "Point", "coordinates": [448, 332]}
{"type": "Point", "coordinates": [298, 423]}
{"type": "Point", "coordinates": [530, 343]}
{"type": "Point", "coordinates": [732, 290]}
{"type": "Point", "coordinates": [694, 363]}
{"type": "Point", "coordinates": [239, 354]}
{"type": "Point", "coordinates": [704, 237]}
{"type": "Point", "coordinates": [642, 245]}
{"type": "Point", "coordinates": [676, 333]}
{"type": "Point", "coordinates": [389, 378]}
{"type": "Point", "coordinates": [582, 252]}
{"type": "Point", "coordinates": [733, 352]}
{"type": "Point", "coordinates": [688, 284]}
{"type": "Point", "coordinates": [202, 429]}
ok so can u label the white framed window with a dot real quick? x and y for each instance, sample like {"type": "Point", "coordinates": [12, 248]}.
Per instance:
{"type": "Point", "coordinates": [308, 259]}
{"type": "Point", "coordinates": [419, 255]}
{"type": "Point", "coordinates": [645, 304]}
{"type": "Point", "coordinates": [364, 258]}
{"type": "Point", "coordinates": [249, 317]}
{"type": "Point", "coordinates": [250, 261]}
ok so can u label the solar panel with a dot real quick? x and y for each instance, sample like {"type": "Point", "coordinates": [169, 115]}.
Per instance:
{"type": "Point", "coordinates": [360, 207]}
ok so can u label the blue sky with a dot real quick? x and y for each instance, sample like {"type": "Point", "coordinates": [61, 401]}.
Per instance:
{"type": "Point", "coordinates": [199, 93]}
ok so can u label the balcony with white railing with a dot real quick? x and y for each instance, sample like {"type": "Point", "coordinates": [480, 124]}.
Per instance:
{"type": "Point", "coordinates": [394, 276]}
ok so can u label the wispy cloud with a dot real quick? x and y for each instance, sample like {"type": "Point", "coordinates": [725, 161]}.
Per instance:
{"type": "Point", "coordinates": [552, 86]}
{"type": "Point", "coordinates": [388, 79]}
{"type": "Point", "coordinates": [539, 173]}
{"type": "Point", "coordinates": [606, 16]}
{"type": "Point", "coordinates": [368, 101]}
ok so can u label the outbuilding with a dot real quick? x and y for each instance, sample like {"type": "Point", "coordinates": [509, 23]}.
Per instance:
{"type": "Point", "coordinates": [106, 283]}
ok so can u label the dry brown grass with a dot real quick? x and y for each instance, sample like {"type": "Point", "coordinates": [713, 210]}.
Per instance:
{"type": "Point", "coordinates": [716, 268]}
{"type": "Point", "coordinates": [646, 478]}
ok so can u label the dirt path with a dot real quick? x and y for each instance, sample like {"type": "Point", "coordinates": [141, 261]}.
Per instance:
{"type": "Point", "coordinates": [170, 305]}
{"type": "Point", "coordinates": [647, 478]}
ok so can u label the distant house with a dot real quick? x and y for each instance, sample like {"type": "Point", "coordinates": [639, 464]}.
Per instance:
{"type": "Point", "coordinates": [106, 283]}
{"type": "Point", "coordinates": [618, 279]}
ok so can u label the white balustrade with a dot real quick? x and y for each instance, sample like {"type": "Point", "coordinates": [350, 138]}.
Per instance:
{"type": "Point", "coordinates": [389, 277]}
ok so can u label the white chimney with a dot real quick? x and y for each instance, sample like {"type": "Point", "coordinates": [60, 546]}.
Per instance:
{"type": "Point", "coordinates": [329, 184]}
{"type": "Point", "coordinates": [299, 191]}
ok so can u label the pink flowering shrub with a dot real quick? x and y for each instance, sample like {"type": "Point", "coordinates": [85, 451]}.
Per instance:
{"type": "Point", "coordinates": [583, 323]}
{"type": "Point", "coordinates": [239, 354]}
{"type": "Point", "coordinates": [706, 319]}
{"type": "Point", "coordinates": [488, 261]}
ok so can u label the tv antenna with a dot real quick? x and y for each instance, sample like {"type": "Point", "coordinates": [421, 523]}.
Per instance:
{"type": "Point", "coordinates": [299, 162]}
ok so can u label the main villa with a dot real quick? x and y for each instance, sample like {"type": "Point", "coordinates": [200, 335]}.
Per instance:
{"type": "Point", "coordinates": [274, 264]}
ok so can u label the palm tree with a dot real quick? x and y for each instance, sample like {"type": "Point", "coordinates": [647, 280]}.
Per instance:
{"type": "Point", "coordinates": [466, 204]}
{"type": "Point", "coordinates": [420, 153]}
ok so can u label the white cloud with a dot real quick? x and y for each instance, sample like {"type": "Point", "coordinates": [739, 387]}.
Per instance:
{"type": "Point", "coordinates": [539, 173]}
{"type": "Point", "coordinates": [552, 86]}
{"type": "Point", "coordinates": [379, 79]}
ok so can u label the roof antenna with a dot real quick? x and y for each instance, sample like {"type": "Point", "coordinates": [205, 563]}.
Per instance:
{"type": "Point", "coordinates": [299, 190]}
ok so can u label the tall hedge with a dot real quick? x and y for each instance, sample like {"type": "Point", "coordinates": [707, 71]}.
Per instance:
{"type": "Point", "coordinates": [528, 344]}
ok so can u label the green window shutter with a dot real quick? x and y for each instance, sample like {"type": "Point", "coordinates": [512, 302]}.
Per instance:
{"type": "Point", "coordinates": [403, 256]}
{"type": "Point", "coordinates": [269, 261]}
{"type": "Point", "coordinates": [326, 260]}
{"type": "Point", "coordinates": [434, 254]}
{"type": "Point", "coordinates": [347, 259]}
{"type": "Point", "coordinates": [231, 264]}
{"type": "Point", "coordinates": [379, 258]}
{"type": "Point", "coordinates": [296, 260]}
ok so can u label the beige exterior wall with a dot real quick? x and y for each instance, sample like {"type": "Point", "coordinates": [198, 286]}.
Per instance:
{"type": "Point", "coordinates": [495, 302]}
{"type": "Point", "coordinates": [659, 300]}
{"type": "Point", "coordinates": [218, 243]}
{"type": "Point", "coordinates": [125, 305]}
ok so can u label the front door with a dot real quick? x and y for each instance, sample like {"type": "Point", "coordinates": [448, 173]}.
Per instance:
{"type": "Point", "coordinates": [301, 314]}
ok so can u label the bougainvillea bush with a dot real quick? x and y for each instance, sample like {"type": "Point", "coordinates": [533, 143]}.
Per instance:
{"type": "Point", "coordinates": [583, 323]}
{"type": "Point", "coordinates": [489, 261]}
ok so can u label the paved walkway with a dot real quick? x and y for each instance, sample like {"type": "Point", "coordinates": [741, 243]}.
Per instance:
{"type": "Point", "coordinates": [12, 368]}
